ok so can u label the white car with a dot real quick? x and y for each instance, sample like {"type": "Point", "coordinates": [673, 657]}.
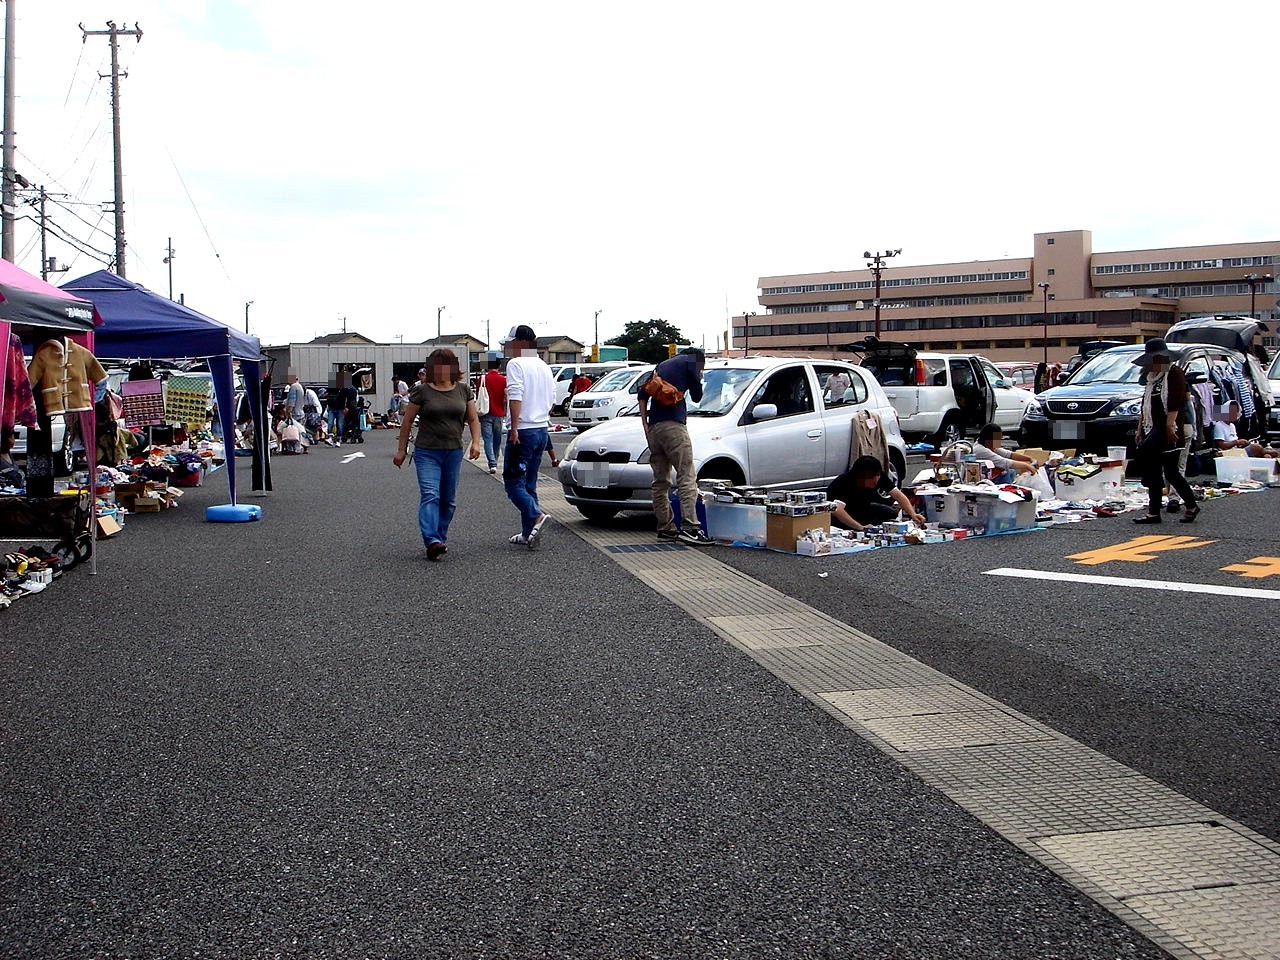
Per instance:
{"type": "Point", "coordinates": [607, 398]}
{"type": "Point", "coordinates": [942, 396]}
{"type": "Point", "coordinates": [62, 451]}
{"type": "Point", "coordinates": [763, 421]}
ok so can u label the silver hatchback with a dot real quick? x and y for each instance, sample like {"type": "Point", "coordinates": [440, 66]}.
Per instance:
{"type": "Point", "coordinates": [763, 421]}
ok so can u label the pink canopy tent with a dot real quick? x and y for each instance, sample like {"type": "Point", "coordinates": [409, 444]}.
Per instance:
{"type": "Point", "coordinates": [35, 306]}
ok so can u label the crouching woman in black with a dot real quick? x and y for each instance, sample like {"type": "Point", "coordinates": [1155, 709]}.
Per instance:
{"type": "Point", "coordinates": [1162, 431]}
{"type": "Point", "coordinates": [865, 496]}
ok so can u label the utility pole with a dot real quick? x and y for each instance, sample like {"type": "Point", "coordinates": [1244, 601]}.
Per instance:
{"type": "Point", "coordinates": [439, 310]}
{"type": "Point", "coordinates": [876, 263]}
{"type": "Point", "coordinates": [115, 33]}
{"type": "Point", "coordinates": [7, 200]}
{"type": "Point", "coordinates": [595, 348]}
{"type": "Point", "coordinates": [246, 315]}
{"type": "Point", "coordinates": [169, 261]}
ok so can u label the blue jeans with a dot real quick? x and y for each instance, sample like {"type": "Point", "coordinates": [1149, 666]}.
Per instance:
{"type": "Point", "coordinates": [520, 475]}
{"type": "Point", "coordinates": [335, 419]}
{"type": "Point", "coordinates": [438, 491]}
{"type": "Point", "coordinates": [491, 432]}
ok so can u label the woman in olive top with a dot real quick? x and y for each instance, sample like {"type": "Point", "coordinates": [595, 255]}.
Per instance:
{"type": "Point", "coordinates": [441, 404]}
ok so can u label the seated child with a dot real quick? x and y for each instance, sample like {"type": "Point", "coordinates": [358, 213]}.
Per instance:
{"type": "Point", "coordinates": [990, 446]}
{"type": "Point", "coordinates": [865, 496]}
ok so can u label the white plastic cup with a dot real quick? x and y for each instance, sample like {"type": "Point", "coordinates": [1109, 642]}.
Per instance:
{"type": "Point", "coordinates": [1116, 453]}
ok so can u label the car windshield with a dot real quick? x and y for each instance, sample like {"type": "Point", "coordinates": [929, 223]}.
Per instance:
{"type": "Point", "coordinates": [721, 388]}
{"type": "Point", "coordinates": [612, 381]}
{"type": "Point", "coordinates": [1108, 367]}
{"type": "Point", "coordinates": [1274, 372]}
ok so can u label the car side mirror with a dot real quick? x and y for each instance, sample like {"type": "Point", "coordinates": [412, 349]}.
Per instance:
{"type": "Point", "coordinates": [1004, 383]}
{"type": "Point", "coordinates": [764, 411]}
{"type": "Point", "coordinates": [1062, 378]}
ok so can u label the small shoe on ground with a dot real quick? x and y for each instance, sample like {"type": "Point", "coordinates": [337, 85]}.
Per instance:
{"type": "Point", "coordinates": [672, 534]}
{"type": "Point", "coordinates": [1149, 518]}
{"type": "Point", "coordinates": [1173, 506]}
{"type": "Point", "coordinates": [696, 537]}
{"type": "Point", "coordinates": [493, 468]}
{"type": "Point", "coordinates": [1190, 515]}
{"type": "Point", "coordinates": [519, 540]}
{"type": "Point", "coordinates": [436, 550]}
{"type": "Point", "coordinates": [535, 535]}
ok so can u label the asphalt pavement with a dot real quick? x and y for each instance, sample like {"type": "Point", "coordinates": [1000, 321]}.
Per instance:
{"type": "Point", "coordinates": [298, 738]}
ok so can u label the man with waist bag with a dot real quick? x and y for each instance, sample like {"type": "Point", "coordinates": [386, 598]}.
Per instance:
{"type": "Point", "coordinates": [664, 414]}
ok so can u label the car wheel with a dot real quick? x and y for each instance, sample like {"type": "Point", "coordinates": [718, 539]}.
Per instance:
{"type": "Point", "coordinates": [722, 470]}
{"type": "Point", "coordinates": [950, 431]}
{"type": "Point", "coordinates": [597, 514]}
{"type": "Point", "coordinates": [67, 460]}
{"type": "Point", "coordinates": [898, 465]}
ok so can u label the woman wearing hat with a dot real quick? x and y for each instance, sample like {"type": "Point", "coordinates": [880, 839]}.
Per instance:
{"type": "Point", "coordinates": [1161, 431]}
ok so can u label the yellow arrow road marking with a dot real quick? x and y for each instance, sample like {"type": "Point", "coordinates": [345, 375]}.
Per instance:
{"type": "Point", "coordinates": [1257, 567]}
{"type": "Point", "coordinates": [1137, 550]}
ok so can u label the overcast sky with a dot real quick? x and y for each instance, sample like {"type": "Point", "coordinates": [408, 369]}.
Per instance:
{"type": "Point", "coordinates": [518, 162]}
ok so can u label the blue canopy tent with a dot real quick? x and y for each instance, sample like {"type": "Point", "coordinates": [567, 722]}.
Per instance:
{"type": "Point", "coordinates": [139, 323]}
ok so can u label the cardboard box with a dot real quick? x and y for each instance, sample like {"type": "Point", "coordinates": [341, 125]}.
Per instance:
{"type": "Point", "coordinates": [107, 526]}
{"type": "Point", "coordinates": [781, 533]}
{"type": "Point", "coordinates": [146, 505]}
{"type": "Point", "coordinates": [807, 548]}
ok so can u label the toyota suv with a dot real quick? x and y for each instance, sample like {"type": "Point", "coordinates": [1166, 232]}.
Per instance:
{"type": "Point", "coordinates": [1098, 406]}
{"type": "Point", "coordinates": [763, 421]}
{"type": "Point", "coordinates": [941, 396]}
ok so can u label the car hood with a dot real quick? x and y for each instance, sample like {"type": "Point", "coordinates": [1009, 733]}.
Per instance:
{"type": "Point", "coordinates": [1091, 391]}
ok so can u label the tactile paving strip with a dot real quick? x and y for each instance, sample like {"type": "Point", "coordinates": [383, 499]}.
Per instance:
{"type": "Point", "coordinates": [1152, 860]}
{"type": "Point", "coordinates": [1001, 766]}
{"type": "Point", "coordinates": [1228, 923]}
{"type": "Point", "coordinates": [916, 701]}
{"type": "Point", "coordinates": [1035, 810]}
{"type": "Point", "coordinates": [1112, 833]}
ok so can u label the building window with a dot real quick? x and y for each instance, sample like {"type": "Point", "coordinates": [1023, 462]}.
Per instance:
{"type": "Point", "coordinates": [1049, 241]}
{"type": "Point", "coordinates": [1051, 271]}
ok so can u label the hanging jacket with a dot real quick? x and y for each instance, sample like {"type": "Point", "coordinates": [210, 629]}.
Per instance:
{"type": "Point", "coordinates": [64, 373]}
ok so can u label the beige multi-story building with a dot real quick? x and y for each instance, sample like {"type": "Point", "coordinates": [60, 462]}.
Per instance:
{"type": "Point", "coordinates": [1016, 309]}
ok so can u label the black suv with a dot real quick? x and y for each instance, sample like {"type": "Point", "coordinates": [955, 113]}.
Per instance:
{"type": "Point", "coordinates": [1098, 406]}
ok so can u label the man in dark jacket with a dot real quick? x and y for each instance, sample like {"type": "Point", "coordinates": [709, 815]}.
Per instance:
{"type": "Point", "coordinates": [670, 447]}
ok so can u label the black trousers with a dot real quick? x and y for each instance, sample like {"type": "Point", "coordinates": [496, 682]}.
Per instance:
{"type": "Point", "coordinates": [1158, 466]}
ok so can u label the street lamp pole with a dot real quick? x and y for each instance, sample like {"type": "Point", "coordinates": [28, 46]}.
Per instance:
{"type": "Point", "coordinates": [439, 310]}
{"type": "Point", "coordinates": [876, 263]}
{"type": "Point", "coordinates": [746, 332]}
{"type": "Point", "coordinates": [1253, 279]}
{"type": "Point", "coordinates": [246, 315]}
{"type": "Point", "coordinates": [595, 346]}
{"type": "Point", "coordinates": [1044, 321]}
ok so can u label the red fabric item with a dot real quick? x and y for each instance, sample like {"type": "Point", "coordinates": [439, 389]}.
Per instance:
{"type": "Point", "coordinates": [19, 401]}
{"type": "Point", "coordinates": [496, 384]}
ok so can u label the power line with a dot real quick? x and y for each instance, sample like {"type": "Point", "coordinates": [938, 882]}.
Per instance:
{"type": "Point", "coordinates": [191, 199]}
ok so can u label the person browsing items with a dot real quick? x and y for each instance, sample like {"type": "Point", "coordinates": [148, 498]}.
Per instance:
{"type": "Point", "coordinates": [866, 496]}
{"type": "Point", "coordinates": [664, 417]}
{"type": "Point", "coordinates": [1161, 430]}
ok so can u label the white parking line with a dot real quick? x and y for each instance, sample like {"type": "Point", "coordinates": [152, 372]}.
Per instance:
{"type": "Point", "coordinates": [1217, 589]}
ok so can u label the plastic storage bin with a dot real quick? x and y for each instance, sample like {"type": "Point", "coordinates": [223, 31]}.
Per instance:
{"type": "Point", "coordinates": [737, 523]}
{"type": "Point", "coordinates": [1231, 469]}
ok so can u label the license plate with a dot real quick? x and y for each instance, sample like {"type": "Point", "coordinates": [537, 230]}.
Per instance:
{"type": "Point", "coordinates": [1068, 430]}
{"type": "Point", "coordinates": [593, 476]}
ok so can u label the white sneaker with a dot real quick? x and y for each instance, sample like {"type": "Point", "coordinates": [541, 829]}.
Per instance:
{"type": "Point", "coordinates": [518, 540]}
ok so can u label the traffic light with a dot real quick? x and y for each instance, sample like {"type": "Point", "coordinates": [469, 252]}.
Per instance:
{"type": "Point", "coordinates": [671, 350]}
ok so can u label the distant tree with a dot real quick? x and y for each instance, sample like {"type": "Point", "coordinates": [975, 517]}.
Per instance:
{"type": "Point", "coordinates": [647, 339]}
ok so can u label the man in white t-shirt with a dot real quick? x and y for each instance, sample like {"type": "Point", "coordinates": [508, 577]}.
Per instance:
{"type": "Point", "coordinates": [530, 393]}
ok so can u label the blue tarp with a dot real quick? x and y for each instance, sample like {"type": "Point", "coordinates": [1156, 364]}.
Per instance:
{"type": "Point", "coordinates": [137, 323]}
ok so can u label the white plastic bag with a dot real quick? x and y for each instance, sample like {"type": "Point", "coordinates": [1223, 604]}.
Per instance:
{"type": "Point", "coordinates": [1039, 482]}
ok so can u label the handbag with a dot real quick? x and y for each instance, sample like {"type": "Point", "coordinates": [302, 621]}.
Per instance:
{"type": "Point", "coordinates": [482, 398]}
{"type": "Point", "coordinates": [667, 394]}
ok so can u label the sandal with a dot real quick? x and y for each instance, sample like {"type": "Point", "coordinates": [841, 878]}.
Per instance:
{"type": "Point", "coordinates": [1190, 515]}
{"type": "Point", "coordinates": [1149, 518]}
